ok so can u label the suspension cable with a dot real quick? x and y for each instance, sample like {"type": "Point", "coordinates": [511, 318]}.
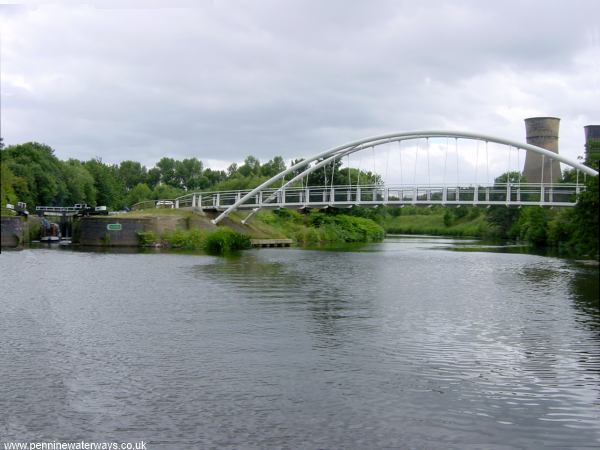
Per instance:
{"type": "Point", "coordinates": [359, 166]}
{"type": "Point", "coordinates": [373, 155]}
{"type": "Point", "coordinates": [487, 164]}
{"type": "Point", "coordinates": [543, 164]}
{"type": "Point", "coordinates": [416, 158]}
{"type": "Point", "coordinates": [332, 172]}
{"type": "Point", "coordinates": [400, 154]}
{"type": "Point", "coordinates": [476, 161]}
{"type": "Point", "coordinates": [445, 160]}
{"type": "Point", "coordinates": [349, 173]}
{"type": "Point", "coordinates": [428, 169]}
{"type": "Point", "coordinates": [387, 163]}
{"type": "Point", "coordinates": [456, 151]}
{"type": "Point", "coordinates": [508, 171]}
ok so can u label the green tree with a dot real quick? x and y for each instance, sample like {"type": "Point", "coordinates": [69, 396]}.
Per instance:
{"type": "Point", "coordinates": [323, 176]}
{"type": "Point", "coordinates": [153, 177]}
{"type": "Point", "coordinates": [502, 218]}
{"type": "Point", "coordinates": [188, 173]}
{"type": "Point", "coordinates": [80, 185]}
{"type": "Point", "coordinates": [165, 191]}
{"type": "Point", "coordinates": [273, 167]}
{"type": "Point", "coordinates": [8, 180]}
{"type": "Point", "coordinates": [132, 173]}
{"type": "Point", "coordinates": [138, 193]}
{"type": "Point", "coordinates": [533, 225]}
{"type": "Point", "coordinates": [213, 177]}
{"type": "Point", "coordinates": [167, 171]}
{"type": "Point", "coordinates": [585, 218]}
{"type": "Point", "coordinates": [251, 167]}
{"type": "Point", "coordinates": [354, 176]}
{"type": "Point", "coordinates": [110, 190]}
{"type": "Point", "coordinates": [36, 164]}
{"type": "Point", "coordinates": [232, 170]}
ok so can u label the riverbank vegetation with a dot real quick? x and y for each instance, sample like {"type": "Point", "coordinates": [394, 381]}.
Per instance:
{"type": "Point", "coordinates": [310, 229]}
{"type": "Point", "coordinates": [217, 242]}
{"type": "Point", "coordinates": [32, 173]}
{"type": "Point", "coordinates": [316, 227]}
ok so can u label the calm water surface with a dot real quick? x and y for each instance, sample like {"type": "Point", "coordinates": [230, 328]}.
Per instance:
{"type": "Point", "coordinates": [403, 344]}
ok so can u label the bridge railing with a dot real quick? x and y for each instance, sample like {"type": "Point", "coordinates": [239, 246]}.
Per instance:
{"type": "Point", "coordinates": [518, 194]}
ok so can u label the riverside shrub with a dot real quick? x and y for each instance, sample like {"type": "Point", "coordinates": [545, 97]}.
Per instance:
{"type": "Point", "coordinates": [344, 228]}
{"type": "Point", "coordinates": [186, 239]}
{"type": "Point", "coordinates": [225, 241]}
{"type": "Point", "coordinates": [146, 238]}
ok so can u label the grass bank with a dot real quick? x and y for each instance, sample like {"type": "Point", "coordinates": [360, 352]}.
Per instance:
{"type": "Point", "coordinates": [315, 228]}
{"type": "Point", "coordinates": [310, 229]}
{"type": "Point", "coordinates": [438, 221]}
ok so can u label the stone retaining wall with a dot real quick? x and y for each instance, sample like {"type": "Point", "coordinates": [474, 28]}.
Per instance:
{"type": "Point", "coordinates": [12, 231]}
{"type": "Point", "coordinates": [96, 230]}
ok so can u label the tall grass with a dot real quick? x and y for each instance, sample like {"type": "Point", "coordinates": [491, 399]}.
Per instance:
{"type": "Point", "coordinates": [224, 241]}
{"type": "Point", "coordinates": [219, 242]}
{"type": "Point", "coordinates": [319, 228]}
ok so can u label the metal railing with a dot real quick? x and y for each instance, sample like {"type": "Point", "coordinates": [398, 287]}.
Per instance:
{"type": "Point", "coordinates": [508, 194]}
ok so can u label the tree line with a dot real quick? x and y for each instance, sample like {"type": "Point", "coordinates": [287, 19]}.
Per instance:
{"type": "Point", "coordinates": [32, 173]}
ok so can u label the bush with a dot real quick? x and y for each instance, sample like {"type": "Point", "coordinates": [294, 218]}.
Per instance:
{"type": "Point", "coordinates": [359, 229]}
{"type": "Point", "coordinates": [146, 238]}
{"type": "Point", "coordinates": [317, 219]}
{"type": "Point", "coordinates": [532, 225]}
{"type": "Point", "coordinates": [186, 239]}
{"type": "Point", "coordinates": [459, 213]}
{"type": "Point", "coordinates": [448, 218]}
{"type": "Point", "coordinates": [224, 241]}
{"type": "Point", "coordinates": [288, 215]}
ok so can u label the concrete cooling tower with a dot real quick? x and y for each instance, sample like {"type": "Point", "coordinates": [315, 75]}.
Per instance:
{"type": "Point", "coordinates": [592, 142]}
{"type": "Point", "coordinates": [542, 132]}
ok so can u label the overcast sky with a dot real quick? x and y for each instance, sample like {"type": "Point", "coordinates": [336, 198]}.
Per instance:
{"type": "Point", "coordinates": [231, 78]}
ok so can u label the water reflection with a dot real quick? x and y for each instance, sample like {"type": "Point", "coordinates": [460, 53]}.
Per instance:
{"type": "Point", "coordinates": [585, 286]}
{"type": "Point", "coordinates": [274, 283]}
{"type": "Point", "coordinates": [396, 344]}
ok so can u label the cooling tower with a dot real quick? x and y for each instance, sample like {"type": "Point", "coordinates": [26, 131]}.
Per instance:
{"type": "Point", "coordinates": [542, 132]}
{"type": "Point", "coordinates": [592, 142]}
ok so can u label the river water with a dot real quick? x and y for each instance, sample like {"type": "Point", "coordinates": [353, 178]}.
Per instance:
{"type": "Point", "coordinates": [410, 343]}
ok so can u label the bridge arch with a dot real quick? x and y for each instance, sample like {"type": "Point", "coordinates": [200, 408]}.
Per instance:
{"type": "Point", "coordinates": [355, 146]}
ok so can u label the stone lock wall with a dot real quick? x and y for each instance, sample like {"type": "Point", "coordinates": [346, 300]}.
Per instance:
{"type": "Point", "coordinates": [12, 231]}
{"type": "Point", "coordinates": [96, 230]}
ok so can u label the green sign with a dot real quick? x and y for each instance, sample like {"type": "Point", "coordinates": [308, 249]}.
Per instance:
{"type": "Point", "coordinates": [114, 227]}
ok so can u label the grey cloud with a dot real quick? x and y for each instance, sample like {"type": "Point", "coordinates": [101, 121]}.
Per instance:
{"type": "Point", "coordinates": [232, 78]}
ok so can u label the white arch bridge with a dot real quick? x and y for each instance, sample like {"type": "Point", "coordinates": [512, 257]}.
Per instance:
{"type": "Point", "coordinates": [293, 190]}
